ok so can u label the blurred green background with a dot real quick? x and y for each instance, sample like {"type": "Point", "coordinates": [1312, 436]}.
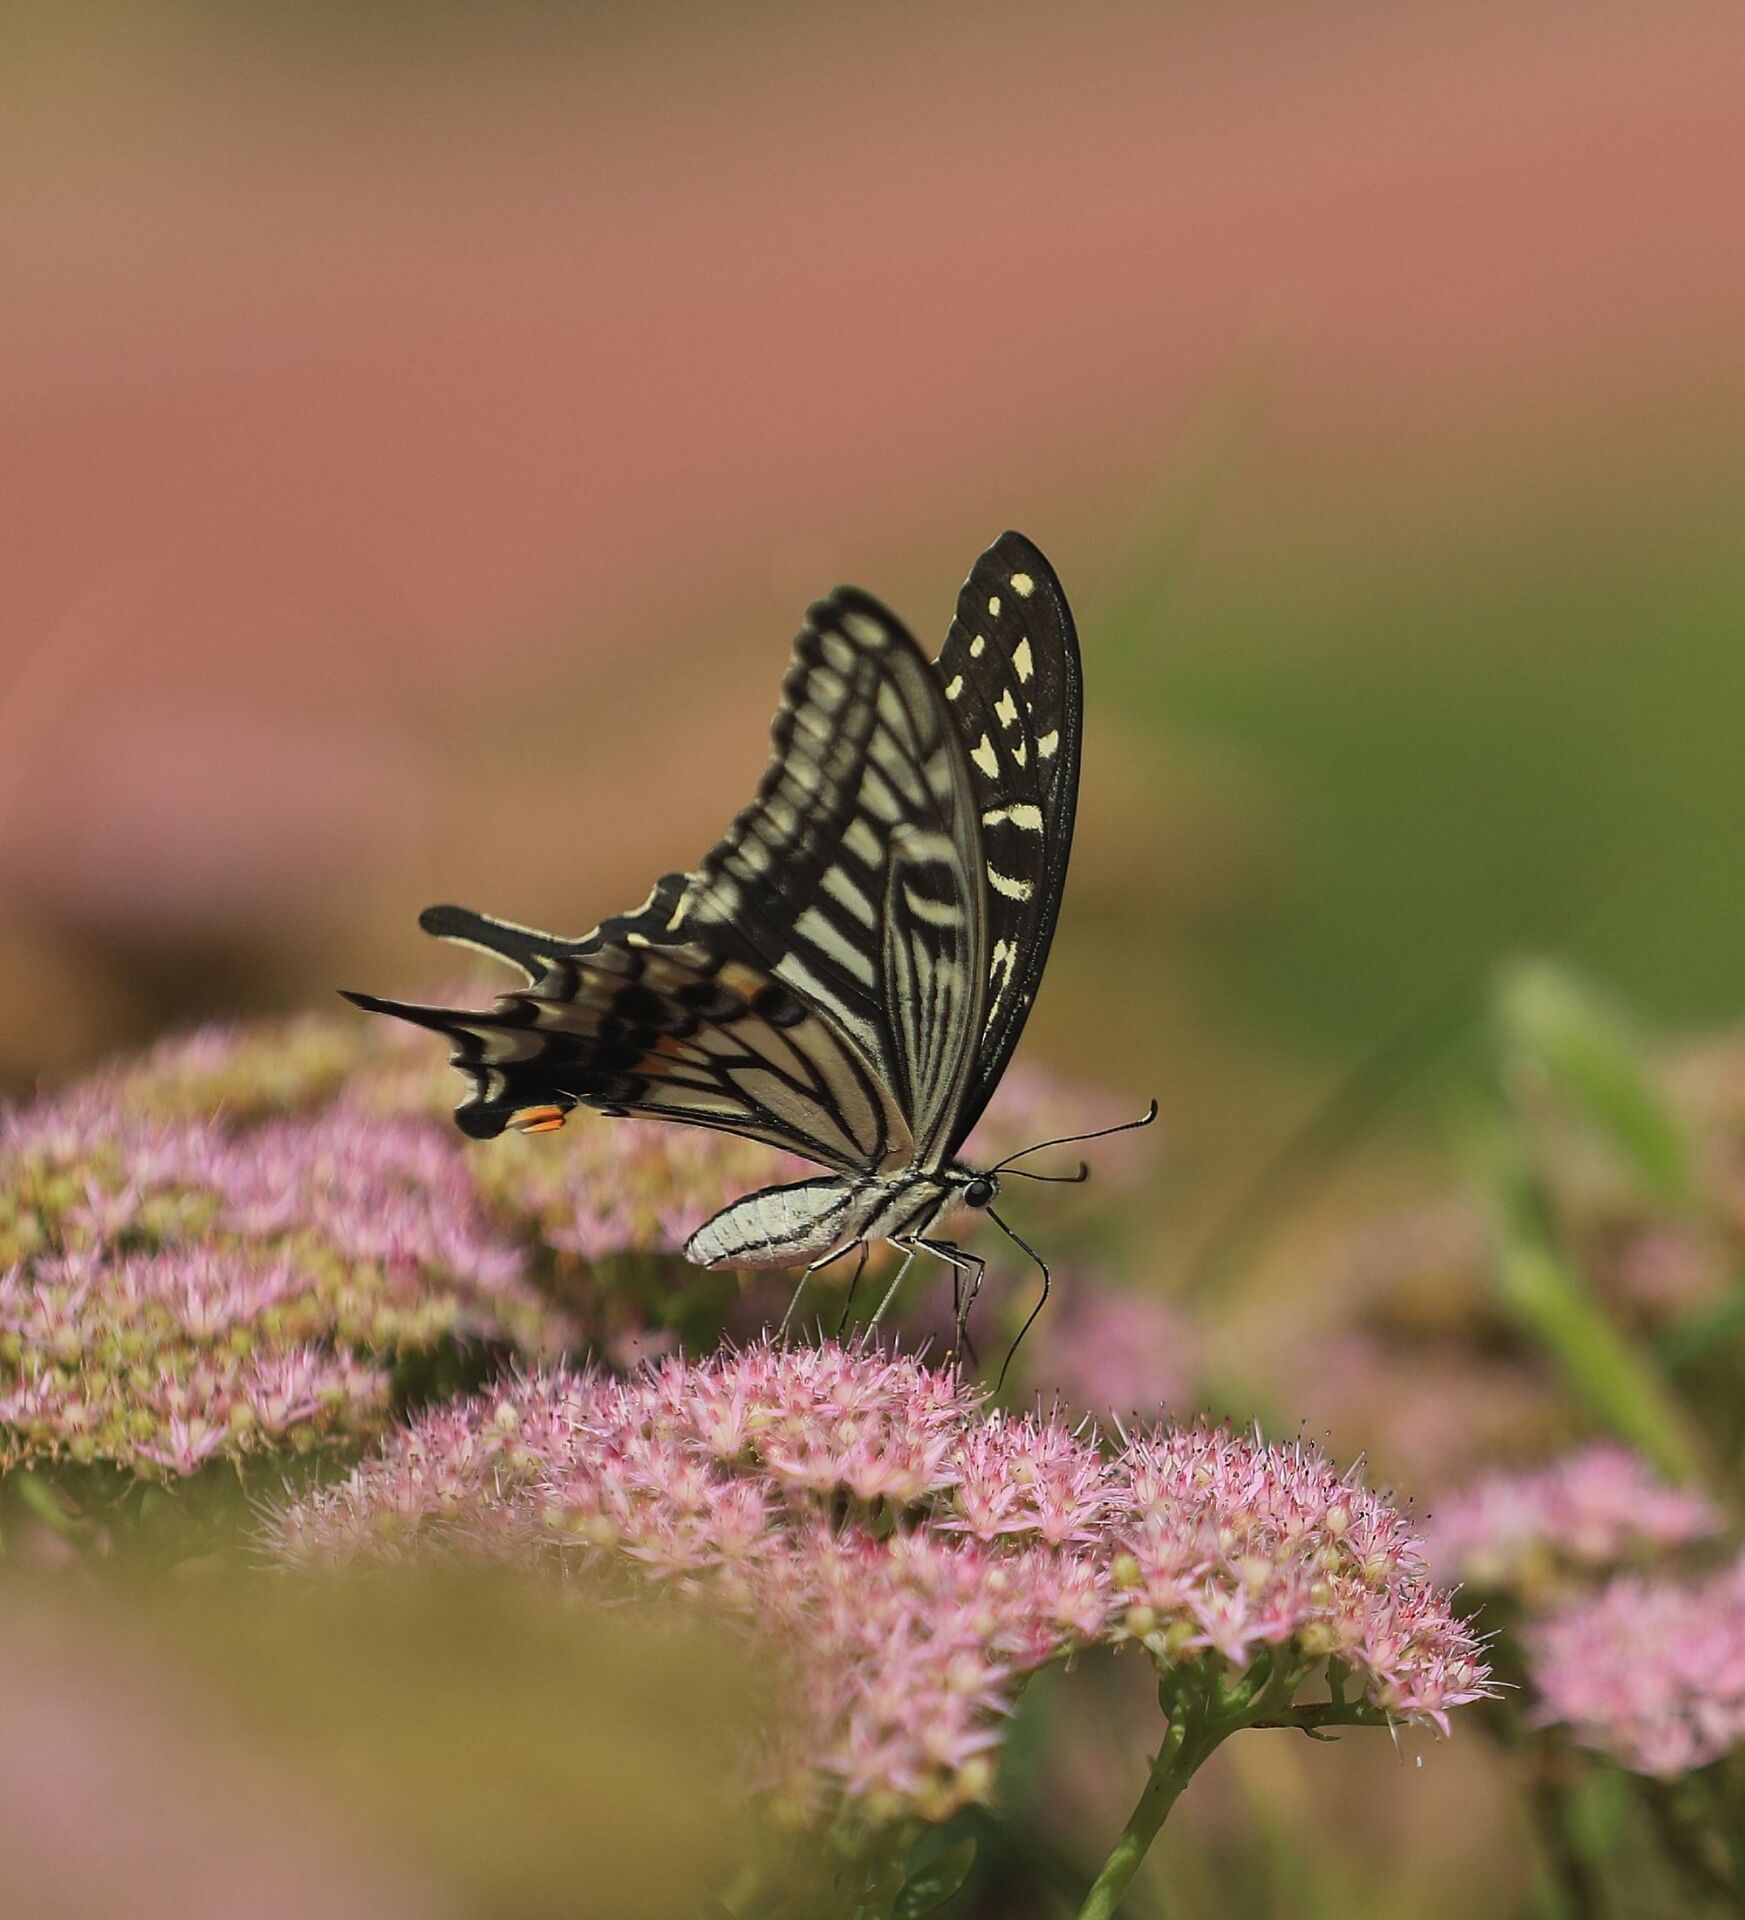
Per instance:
{"type": "Point", "coordinates": [423, 429]}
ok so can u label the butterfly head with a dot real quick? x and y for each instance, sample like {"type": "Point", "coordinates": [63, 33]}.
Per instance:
{"type": "Point", "coordinates": [975, 1189]}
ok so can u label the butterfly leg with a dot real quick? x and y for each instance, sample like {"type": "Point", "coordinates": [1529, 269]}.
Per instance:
{"type": "Point", "coordinates": [853, 1287]}
{"type": "Point", "coordinates": [818, 1266]}
{"type": "Point", "coordinates": [967, 1270]}
{"type": "Point", "coordinates": [909, 1248]}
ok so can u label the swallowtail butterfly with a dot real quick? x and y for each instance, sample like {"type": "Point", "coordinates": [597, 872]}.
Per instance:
{"type": "Point", "coordinates": [846, 973]}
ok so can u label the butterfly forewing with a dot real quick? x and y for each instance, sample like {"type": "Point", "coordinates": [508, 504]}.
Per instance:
{"type": "Point", "coordinates": [795, 896]}
{"type": "Point", "coordinates": [1011, 678]}
{"type": "Point", "coordinates": [865, 761]}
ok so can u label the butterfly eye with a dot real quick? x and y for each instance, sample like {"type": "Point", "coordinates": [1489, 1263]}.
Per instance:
{"type": "Point", "coordinates": [979, 1191]}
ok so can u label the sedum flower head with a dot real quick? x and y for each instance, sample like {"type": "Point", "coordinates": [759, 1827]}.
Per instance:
{"type": "Point", "coordinates": [1595, 1509]}
{"type": "Point", "coordinates": [1224, 1547]}
{"type": "Point", "coordinates": [1648, 1671]}
{"type": "Point", "coordinates": [800, 1489]}
{"type": "Point", "coordinates": [176, 1289]}
{"type": "Point", "coordinates": [912, 1556]}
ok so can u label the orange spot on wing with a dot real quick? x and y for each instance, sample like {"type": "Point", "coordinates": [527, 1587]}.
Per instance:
{"type": "Point", "coordinates": [537, 1119]}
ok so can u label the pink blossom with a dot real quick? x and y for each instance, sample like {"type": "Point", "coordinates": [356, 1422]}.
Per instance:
{"type": "Point", "coordinates": [911, 1556]}
{"type": "Point", "coordinates": [1224, 1544]}
{"type": "Point", "coordinates": [1596, 1508]}
{"type": "Point", "coordinates": [1029, 1479]}
{"type": "Point", "coordinates": [1650, 1671]}
{"type": "Point", "coordinates": [175, 1288]}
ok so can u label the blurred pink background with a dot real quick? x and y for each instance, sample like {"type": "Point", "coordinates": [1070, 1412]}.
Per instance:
{"type": "Point", "coordinates": [420, 436]}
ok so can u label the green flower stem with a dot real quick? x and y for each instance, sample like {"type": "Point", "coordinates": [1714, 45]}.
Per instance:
{"type": "Point", "coordinates": [1202, 1710]}
{"type": "Point", "coordinates": [1550, 1300]}
{"type": "Point", "coordinates": [1177, 1758]}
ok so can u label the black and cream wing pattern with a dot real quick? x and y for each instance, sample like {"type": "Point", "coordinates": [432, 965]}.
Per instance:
{"type": "Point", "coordinates": [846, 972]}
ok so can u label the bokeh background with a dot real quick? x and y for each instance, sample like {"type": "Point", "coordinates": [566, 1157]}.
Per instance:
{"type": "Point", "coordinates": [421, 429]}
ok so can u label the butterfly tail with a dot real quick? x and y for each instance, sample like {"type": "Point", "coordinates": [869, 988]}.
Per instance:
{"type": "Point", "coordinates": [532, 952]}
{"type": "Point", "coordinates": [509, 1063]}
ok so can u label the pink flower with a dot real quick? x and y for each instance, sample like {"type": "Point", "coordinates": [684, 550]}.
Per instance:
{"type": "Point", "coordinates": [177, 1288]}
{"type": "Point", "coordinates": [1028, 1479]}
{"type": "Point", "coordinates": [1224, 1544]}
{"type": "Point", "coordinates": [1596, 1508]}
{"type": "Point", "coordinates": [1649, 1671]}
{"type": "Point", "coordinates": [911, 1557]}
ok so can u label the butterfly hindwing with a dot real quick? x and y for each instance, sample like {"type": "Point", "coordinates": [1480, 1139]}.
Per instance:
{"type": "Point", "coordinates": [1011, 678]}
{"type": "Point", "coordinates": [676, 1033]}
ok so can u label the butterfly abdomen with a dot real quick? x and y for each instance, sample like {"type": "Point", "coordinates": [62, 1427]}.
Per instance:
{"type": "Point", "coordinates": [778, 1226]}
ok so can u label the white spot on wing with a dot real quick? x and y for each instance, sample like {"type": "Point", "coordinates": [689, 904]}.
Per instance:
{"type": "Point", "coordinates": [1045, 747]}
{"type": "Point", "coordinates": [1023, 586]}
{"type": "Point", "coordinates": [955, 688]}
{"type": "Point", "coordinates": [718, 901]}
{"type": "Point", "coordinates": [1022, 815]}
{"type": "Point", "coordinates": [1006, 709]}
{"type": "Point", "coordinates": [1022, 661]}
{"type": "Point", "coordinates": [827, 688]}
{"type": "Point", "coordinates": [994, 605]}
{"type": "Point", "coordinates": [1003, 963]}
{"type": "Point", "coordinates": [1012, 889]}
{"type": "Point", "coordinates": [936, 913]}
{"type": "Point", "coordinates": [864, 628]}
{"type": "Point", "coordinates": [976, 646]}
{"type": "Point", "coordinates": [875, 790]}
{"type": "Point", "coordinates": [985, 757]}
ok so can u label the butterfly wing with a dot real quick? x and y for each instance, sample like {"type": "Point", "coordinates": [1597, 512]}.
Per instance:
{"type": "Point", "coordinates": [864, 818]}
{"type": "Point", "coordinates": [676, 1033]}
{"type": "Point", "coordinates": [1012, 682]}
{"type": "Point", "coordinates": [868, 803]}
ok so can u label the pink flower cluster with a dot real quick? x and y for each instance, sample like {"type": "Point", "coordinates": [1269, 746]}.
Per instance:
{"type": "Point", "coordinates": [912, 1556]}
{"type": "Point", "coordinates": [1648, 1671]}
{"type": "Point", "coordinates": [603, 1188]}
{"type": "Point", "coordinates": [1597, 1508]}
{"type": "Point", "coordinates": [172, 1289]}
{"type": "Point", "coordinates": [1225, 1545]}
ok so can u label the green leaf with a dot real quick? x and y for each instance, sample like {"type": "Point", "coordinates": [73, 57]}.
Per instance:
{"type": "Point", "coordinates": [1585, 1048]}
{"type": "Point", "coordinates": [929, 1889]}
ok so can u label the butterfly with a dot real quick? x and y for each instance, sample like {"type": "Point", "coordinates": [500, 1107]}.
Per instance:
{"type": "Point", "coordinates": [847, 971]}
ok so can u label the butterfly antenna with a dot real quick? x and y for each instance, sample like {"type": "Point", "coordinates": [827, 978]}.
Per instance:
{"type": "Point", "coordinates": [1072, 1140]}
{"type": "Point", "coordinates": [1053, 1179]}
{"type": "Point", "coordinates": [1019, 1241]}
